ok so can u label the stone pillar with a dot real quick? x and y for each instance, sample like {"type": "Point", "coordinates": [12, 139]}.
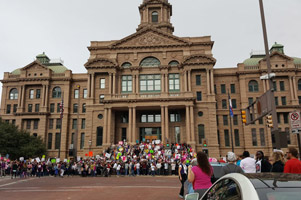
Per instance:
{"type": "Point", "coordinates": [187, 125]}
{"type": "Point", "coordinates": [192, 124]}
{"type": "Point", "coordinates": [114, 83]}
{"type": "Point", "coordinates": [43, 95]}
{"type": "Point", "coordinates": [166, 83]}
{"type": "Point", "coordinates": [133, 84]}
{"type": "Point", "coordinates": [47, 96]}
{"type": "Point", "coordinates": [291, 87]}
{"type": "Point", "coordinates": [163, 124]}
{"type": "Point", "coordinates": [110, 83]}
{"type": "Point", "coordinates": [119, 87]}
{"type": "Point", "coordinates": [130, 125]}
{"type": "Point", "coordinates": [109, 129]}
{"type": "Point", "coordinates": [189, 81]}
{"type": "Point", "coordinates": [19, 97]}
{"type": "Point", "coordinates": [208, 82]}
{"type": "Point", "coordinates": [163, 83]}
{"type": "Point", "coordinates": [264, 86]}
{"type": "Point", "coordinates": [4, 97]}
{"type": "Point", "coordinates": [137, 84]}
{"type": "Point", "coordinates": [166, 123]}
{"type": "Point", "coordinates": [268, 85]}
{"type": "Point", "coordinates": [23, 98]}
{"type": "Point", "coordinates": [185, 81]}
{"type": "Point", "coordinates": [295, 87]}
{"type": "Point", "coordinates": [93, 86]}
{"type": "Point", "coordinates": [89, 85]}
{"type": "Point", "coordinates": [212, 82]}
{"type": "Point", "coordinates": [134, 126]}
{"type": "Point", "coordinates": [105, 126]}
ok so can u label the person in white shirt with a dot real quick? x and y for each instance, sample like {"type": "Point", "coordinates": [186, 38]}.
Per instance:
{"type": "Point", "coordinates": [138, 168]}
{"type": "Point", "coordinates": [153, 169]}
{"type": "Point", "coordinates": [118, 169]}
{"type": "Point", "coordinates": [166, 165]}
{"type": "Point", "coordinates": [248, 164]}
{"type": "Point", "coordinates": [173, 168]}
{"type": "Point", "coordinates": [158, 168]}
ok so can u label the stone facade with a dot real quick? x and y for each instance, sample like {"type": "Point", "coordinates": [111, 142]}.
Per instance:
{"type": "Point", "coordinates": [149, 85]}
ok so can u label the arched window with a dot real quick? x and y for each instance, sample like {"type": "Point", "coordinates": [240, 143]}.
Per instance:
{"type": "Point", "coordinates": [56, 92]}
{"type": "Point", "coordinates": [13, 94]}
{"type": "Point", "coordinates": [126, 65]}
{"type": "Point", "coordinates": [155, 16]}
{"type": "Point", "coordinates": [299, 84]}
{"type": "Point", "coordinates": [150, 62]}
{"type": "Point", "coordinates": [253, 86]}
{"type": "Point", "coordinates": [201, 132]}
{"type": "Point", "coordinates": [173, 63]}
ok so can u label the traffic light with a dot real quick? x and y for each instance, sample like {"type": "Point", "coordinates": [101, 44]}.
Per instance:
{"type": "Point", "coordinates": [270, 121]}
{"type": "Point", "coordinates": [204, 142]}
{"type": "Point", "coordinates": [243, 116]}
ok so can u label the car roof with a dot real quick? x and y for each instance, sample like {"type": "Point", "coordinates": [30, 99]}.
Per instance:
{"type": "Point", "coordinates": [275, 180]}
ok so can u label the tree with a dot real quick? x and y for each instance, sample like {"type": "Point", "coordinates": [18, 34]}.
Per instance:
{"type": "Point", "coordinates": [18, 143]}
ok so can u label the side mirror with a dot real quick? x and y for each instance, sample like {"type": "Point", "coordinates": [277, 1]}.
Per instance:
{"type": "Point", "coordinates": [192, 196]}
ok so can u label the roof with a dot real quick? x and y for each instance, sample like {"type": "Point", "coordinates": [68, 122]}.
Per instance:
{"type": "Point", "coordinates": [276, 45]}
{"type": "Point", "coordinates": [57, 69]}
{"type": "Point", "coordinates": [297, 61]}
{"type": "Point", "coordinates": [252, 61]}
{"type": "Point", "coordinates": [16, 71]}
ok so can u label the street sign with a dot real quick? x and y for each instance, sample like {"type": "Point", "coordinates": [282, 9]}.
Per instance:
{"type": "Point", "coordinates": [295, 120]}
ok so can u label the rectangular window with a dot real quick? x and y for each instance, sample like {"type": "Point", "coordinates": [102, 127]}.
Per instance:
{"type": "Point", "coordinates": [31, 94]}
{"type": "Point", "coordinates": [150, 118]}
{"type": "Point", "coordinates": [50, 123]}
{"type": "Point", "coordinates": [13, 122]}
{"type": "Point", "coordinates": [276, 101]}
{"type": "Point", "coordinates": [235, 120]}
{"type": "Point", "coordinates": [287, 131]}
{"type": "Point", "coordinates": [124, 118]}
{"type": "Point", "coordinates": [72, 138]}
{"type": "Point", "coordinates": [223, 88]}
{"type": "Point", "coordinates": [225, 120]}
{"type": "Point", "coordinates": [83, 123]}
{"type": "Point", "coordinates": [52, 107]}
{"type": "Point", "coordinates": [74, 123]}
{"type": "Point", "coordinates": [215, 91]}
{"type": "Point", "coordinates": [85, 91]}
{"type": "Point", "coordinates": [82, 140]}
{"type": "Point", "coordinates": [8, 108]}
{"type": "Point", "coordinates": [158, 118]}
{"type": "Point", "coordinates": [283, 101]}
{"type": "Point", "coordinates": [275, 85]}
{"type": "Point", "coordinates": [102, 83]}
{"type": "Point", "coordinates": [28, 124]}
{"type": "Point", "coordinates": [285, 118]}
{"type": "Point", "coordinates": [57, 140]}
{"type": "Point", "coordinates": [29, 107]}
{"type": "Point", "coordinates": [198, 80]}
{"type": "Point", "coordinates": [175, 117]}
{"type": "Point", "coordinates": [76, 94]}
{"type": "Point", "coordinates": [174, 82]}
{"type": "Point", "coordinates": [37, 108]}
{"type": "Point", "coordinates": [15, 108]}
{"type": "Point", "coordinates": [224, 104]}
{"type": "Point", "coordinates": [278, 118]}
{"type": "Point", "coordinates": [236, 135]}
{"type": "Point", "coordinates": [234, 105]}
{"type": "Point", "coordinates": [260, 121]}
{"type": "Point", "coordinates": [75, 108]}
{"type": "Point", "coordinates": [99, 136]}
{"type": "Point", "coordinates": [126, 84]}
{"type": "Point", "coordinates": [35, 124]}
{"type": "Point", "coordinates": [201, 132]}
{"type": "Point", "coordinates": [58, 107]}
{"type": "Point", "coordinates": [143, 118]}
{"type": "Point", "coordinates": [227, 139]}
{"type": "Point", "coordinates": [150, 83]}
{"type": "Point", "coordinates": [254, 137]}
{"type": "Point", "coordinates": [84, 108]}
{"type": "Point", "coordinates": [38, 94]}
{"type": "Point", "coordinates": [250, 100]}
{"type": "Point", "coordinates": [58, 123]}
{"type": "Point", "coordinates": [262, 137]}
{"type": "Point", "coordinates": [217, 122]}
{"type": "Point", "coordinates": [299, 98]}
{"type": "Point", "coordinates": [282, 88]}
{"type": "Point", "coordinates": [233, 91]}
{"type": "Point", "coordinates": [199, 96]}
{"type": "Point", "coordinates": [49, 146]}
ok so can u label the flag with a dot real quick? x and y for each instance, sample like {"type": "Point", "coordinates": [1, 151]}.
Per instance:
{"type": "Point", "coordinates": [230, 106]}
{"type": "Point", "coordinates": [62, 108]}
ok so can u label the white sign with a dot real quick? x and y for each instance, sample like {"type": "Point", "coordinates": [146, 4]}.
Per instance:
{"type": "Point", "coordinates": [38, 159]}
{"type": "Point", "coordinates": [108, 155]}
{"type": "Point", "coordinates": [168, 152]}
{"type": "Point", "coordinates": [295, 120]}
{"type": "Point", "coordinates": [21, 159]}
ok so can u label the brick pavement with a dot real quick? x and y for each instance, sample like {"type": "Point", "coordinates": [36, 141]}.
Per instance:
{"type": "Point", "coordinates": [100, 188]}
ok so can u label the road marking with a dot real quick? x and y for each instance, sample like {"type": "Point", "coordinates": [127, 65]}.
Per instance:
{"type": "Point", "coordinates": [12, 183]}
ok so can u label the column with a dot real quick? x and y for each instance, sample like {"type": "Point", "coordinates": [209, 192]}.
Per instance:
{"type": "Point", "coordinates": [47, 95]}
{"type": "Point", "coordinates": [189, 81]}
{"type": "Point", "coordinates": [105, 126]}
{"type": "Point", "coordinates": [187, 125]}
{"type": "Point", "coordinates": [20, 96]}
{"type": "Point", "coordinates": [268, 84]}
{"type": "Point", "coordinates": [110, 83]}
{"type": "Point", "coordinates": [137, 84]}
{"type": "Point", "coordinates": [166, 123]}
{"type": "Point", "coordinates": [134, 84]}
{"type": "Point", "coordinates": [44, 96]}
{"type": "Point", "coordinates": [295, 87]}
{"type": "Point", "coordinates": [114, 83]}
{"type": "Point", "coordinates": [192, 124]}
{"type": "Point", "coordinates": [208, 83]}
{"type": "Point", "coordinates": [264, 86]}
{"type": "Point", "coordinates": [130, 125]}
{"type": "Point", "coordinates": [119, 87]}
{"type": "Point", "coordinates": [163, 83]}
{"type": "Point", "coordinates": [134, 125]}
{"type": "Point", "coordinates": [212, 82]}
{"type": "Point", "coordinates": [109, 129]}
{"type": "Point", "coordinates": [89, 85]}
{"type": "Point", "coordinates": [166, 83]}
{"type": "Point", "coordinates": [291, 87]}
{"type": "Point", "coordinates": [93, 86]}
{"type": "Point", "coordinates": [162, 124]}
{"type": "Point", "coordinates": [185, 81]}
{"type": "Point", "coordinates": [23, 98]}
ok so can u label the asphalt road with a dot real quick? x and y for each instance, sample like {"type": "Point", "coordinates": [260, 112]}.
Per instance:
{"type": "Point", "coordinates": [100, 188]}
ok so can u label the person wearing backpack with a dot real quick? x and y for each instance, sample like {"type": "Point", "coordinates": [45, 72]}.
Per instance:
{"type": "Point", "coordinates": [182, 176]}
{"type": "Point", "coordinates": [231, 167]}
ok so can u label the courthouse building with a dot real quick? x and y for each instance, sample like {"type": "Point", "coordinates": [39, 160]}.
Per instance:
{"type": "Point", "coordinates": [147, 86]}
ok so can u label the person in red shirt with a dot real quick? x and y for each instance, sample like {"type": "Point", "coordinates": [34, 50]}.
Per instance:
{"type": "Point", "coordinates": [293, 165]}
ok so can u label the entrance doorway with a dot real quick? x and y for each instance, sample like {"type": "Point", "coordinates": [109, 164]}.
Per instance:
{"type": "Point", "coordinates": [150, 134]}
{"type": "Point", "coordinates": [123, 134]}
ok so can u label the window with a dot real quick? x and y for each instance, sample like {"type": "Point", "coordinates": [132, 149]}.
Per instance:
{"type": "Point", "coordinates": [126, 65]}
{"type": "Point", "coordinates": [250, 100]}
{"type": "Point", "coordinates": [35, 124]}
{"type": "Point", "coordinates": [150, 62]}
{"type": "Point", "coordinates": [31, 94]}
{"type": "Point", "coordinates": [29, 107]}
{"type": "Point", "coordinates": [143, 118]}
{"type": "Point", "coordinates": [173, 63]}
{"type": "Point", "coordinates": [75, 108]}
{"type": "Point", "coordinates": [218, 137]}
{"type": "Point", "coordinates": [8, 108]}
{"type": "Point", "coordinates": [76, 94]}
{"type": "Point", "coordinates": [52, 107]}
{"type": "Point", "coordinates": [150, 83]}
{"type": "Point", "coordinates": [28, 124]}
{"type": "Point", "coordinates": [276, 101]}
{"type": "Point", "coordinates": [199, 96]}
{"type": "Point", "coordinates": [50, 123]}
{"type": "Point", "coordinates": [155, 17]}
{"type": "Point", "coordinates": [49, 146]}
{"type": "Point", "coordinates": [102, 83]}
{"type": "Point", "coordinates": [234, 105]}
{"type": "Point", "coordinates": [299, 98]}
{"type": "Point", "coordinates": [215, 91]}
{"type": "Point", "coordinates": [278, 118]}
{"type": "Point", "coordinates": [198, 79]}
{"type": "Point", "coordinates": [253, 86]}
{"type": "Point", "coordinates": [217, 122]}
{"type": "Point", "coordinates": [84, 108]}
{"type": "Point", "coordinates": [37, 107]}
{"type": "Point", "coordinates": [260, 121]}
{"type": "Point", "coordinates": [254, 137]}
{"type": "Point", "coordinates": [287, 131]}
{"type": "Point", "coordinates": [275, 85]}
{"type": "Point", "coordinates": [82, 140]}
{"type": "Point", "coordinates": [57, 140]}
{"type": "Point", "coordinates": [56, 92]}
{"type": "Point", "coordinates": [285, 118]}
{"type": "Point", "coordinates": [174, 82]}
{"type": "Point", "coordinates": [282, 88]}
{"type": "Point", "coordinates": [299, 84]}
{"type": "Point", "coordinates": [83, 123]}
{"type": "Point", "coordinates": [152, 118]}
{"type": "Point", "coordinates": [38, 94]}
{"type": "Point", "coordinates": [74, 124]}
{"type": "Point", "coordinates": [58, 107]}
{"type": "Point", "coordinates": [224, 189]}
{"type": "Point", "coordinates": [85, 92]}
{"type": "Point", "coordinates": [15, 108]}
{"type": "Point", "coordinates": [175, 117]}
{"type": "Point", "coordinates": [227, 139]}
{"type": "Point", "coordinates": [201, 133]}
{"type": "Point", "coordinates": [225, 120]}
{"type": "Point", "coordinates": [158, 118]}
{"type": "Point", "coordinates": [283, 101]}
{"type": "Point", "coordinates": [236, 135]}
{"type": "Point", "coordinates": [99, 136]}
{"type": "Point", "coordinates": [13, 94]}
{"type": "Point", "coordinates": [224, 104]}
{"type": "Point", "coordinates": [72, 138]}
{"type": "Point", "coordinates": [126, 84]}
{"type": "Point", "coordinates": [223, 88]}
{"type": "Point", "coordinates": [262, 137]}
{"type": "Point", "coordinates": [232, 86]}
{"type": "Point", "coordinates": [235, 120]}
{"type": "Point", "coordinates": [124, 118]}
{"type": "Point", "coordinates": [58, 123]}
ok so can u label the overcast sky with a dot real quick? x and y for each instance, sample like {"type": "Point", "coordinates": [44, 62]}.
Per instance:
{"type": "Point", "coordinates": [64, 28]}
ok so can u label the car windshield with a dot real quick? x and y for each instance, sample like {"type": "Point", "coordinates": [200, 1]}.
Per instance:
{"type": "Point", "coordinates": [279, 193]}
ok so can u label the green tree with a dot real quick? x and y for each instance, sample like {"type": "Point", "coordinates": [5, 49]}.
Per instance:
{"type": "Point", "coordinates": [18, 143]}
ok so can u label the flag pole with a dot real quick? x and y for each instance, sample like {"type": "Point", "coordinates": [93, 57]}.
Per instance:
{"type": "Point", "coordinates": [231, 115]}
{"type": "Point", "coordinates": [61, 119]}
